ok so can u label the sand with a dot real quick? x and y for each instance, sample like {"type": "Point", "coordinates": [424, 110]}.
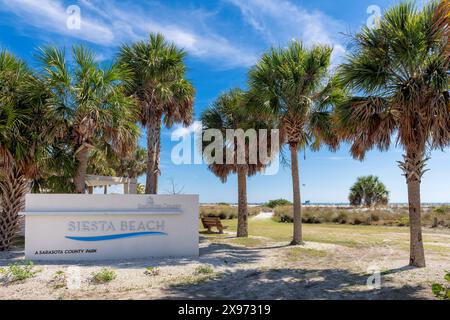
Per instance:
{"type": "Point", "coordinates": [270, 271]}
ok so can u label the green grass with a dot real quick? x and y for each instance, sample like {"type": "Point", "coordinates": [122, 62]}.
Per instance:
{"type": "Point", "coordinates": [297, 254]}
{"type": "Point", "coordinates": [437, 248]}
{"type": "Point", "coordinates": [348, 235]}
{"type": "Point", "coordinates": [59, 280]}
{"type": "Point", "coordinates": [191, 280]}
{"type": "Point", "coordinates": [359, 236]}
{"type": "Point", "coordinates": [204, 269]}
{"type": "Point", "coordinates": [442, 291]}
{"type": "Point", "coordinates": [104, 275]}
{"type": "Point", "coordinates": [152, 271]}
{"type": "Point", "coordinates": [248, 242]}
{"type": "Point", "coordinates": [19, 271]}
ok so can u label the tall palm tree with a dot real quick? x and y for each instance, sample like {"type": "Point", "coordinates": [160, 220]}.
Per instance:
{"type": "Point", "coordinates": [291, 86]}
{"type": "Point", "coordinates": [90, 104]}
{"type": "Point", "coordinates": [159, 84]}
{"type": "Point", "coordinates": [231, 111]}
{"type": "Point", "coordinates": [402, 70]}
{"type": "Point", "coordinates": [23, 139]}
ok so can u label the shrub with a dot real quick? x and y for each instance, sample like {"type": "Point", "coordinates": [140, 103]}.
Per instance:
{"type": "Point", "coordinates": [204, 269]}
{"type": "Point", "coordinates": [226, 211]}
{"type": "Point", "coordinates": [103, 276]}
{"type": "Point", "coordinates": [442, 291]}
{"type": "Point", "coordinates": [402, 221]}
{"type": "Point", "coordinates": [283, 214]}
{"type": "Point", "coordinates": [223, 216]}
{"type": "Point", "coordinates": [19, 271]}
{"type": "Point", "coordinates": [59, 280]}
{"type": "Point", "coordinates": [392, 216]}
{"type": "Point", "coordinates": [278, 203]}
{"type": "Point", "coordinates": [442, 210]}
{"type": "Point", "coordinates": [341, 218]}
{"type": "Point", "coordinates": [152, 271]}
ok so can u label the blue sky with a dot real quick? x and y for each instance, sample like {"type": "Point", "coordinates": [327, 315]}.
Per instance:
{"type": "Point", "coordinates": [223, 39]}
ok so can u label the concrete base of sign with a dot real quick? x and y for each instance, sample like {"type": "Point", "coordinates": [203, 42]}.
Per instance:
{"type": "Point", "coordinates": [104, 227]}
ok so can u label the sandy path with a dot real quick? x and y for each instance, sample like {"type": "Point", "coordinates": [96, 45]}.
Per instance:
{"type": "Point", "coordinates": [263, 216]}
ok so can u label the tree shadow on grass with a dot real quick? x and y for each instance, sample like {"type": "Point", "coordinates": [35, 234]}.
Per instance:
{"type": "Point", "coordinates": [291, 284]}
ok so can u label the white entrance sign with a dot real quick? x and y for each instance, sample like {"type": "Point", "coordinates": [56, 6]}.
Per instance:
{"type": "Point", "coordinates": [102, 227]}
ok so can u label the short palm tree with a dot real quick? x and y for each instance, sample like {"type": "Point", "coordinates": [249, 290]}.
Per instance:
{"type": "Point", "coordinates": [159, 84]}
{"type": "Point", "coordinates": [402, 70]}
{"type": "Point", "coordinates": [291, 87]}
{"type": "Point", "coordinates": [90, 106]}
{"type": "Point", "coordinates": [104, 162]}
{"type": "Point", "coordinates": [231, 111]}
{"type": "Point", "coordinates": [23, 139]}
{"type": "Point", "coordinates": [369, 191]}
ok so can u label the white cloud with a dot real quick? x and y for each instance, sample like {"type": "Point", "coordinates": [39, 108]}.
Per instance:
{"type": "Point", "coordinates": [204, 34]}
{"type": "Point", "coordinates": [109, 24]}
{"type": "Point", "coordinates": [280, 21]}
{"type": "Point", "coordinates": [51, 16]}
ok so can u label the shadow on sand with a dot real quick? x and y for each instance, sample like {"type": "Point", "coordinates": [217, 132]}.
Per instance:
{"type": "Point", "coordinates": [292, 284]}
{"type": "Point", "coordinates": [214, 254]}
{"type": "Point", "coordinates": [256, 283]}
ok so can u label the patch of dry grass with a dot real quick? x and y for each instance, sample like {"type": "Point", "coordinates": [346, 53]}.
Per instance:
{"type": "Point", "coordinates": [248, 242]}
{"type": "Point", "coordinates": [391, 216]}
{"type": "Point", "coordinates": [226, 211]}
{"type": "Point", "coordinates": [298, 254]}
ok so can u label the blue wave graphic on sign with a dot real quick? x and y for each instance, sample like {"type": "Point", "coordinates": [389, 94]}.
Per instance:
{"type": "Point", "coordinates": [117, 236]}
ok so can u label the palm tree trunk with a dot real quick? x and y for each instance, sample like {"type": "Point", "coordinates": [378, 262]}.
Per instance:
{"type": "Point", "coordinates": [153, 150]}
{"type": "Point", "coordinates": [79, 180]}
{"type": "Point", "coordinates": [242, 230]}
{"type": "Point", "coordinates": [298, 238]}
{"type": "Point", "coordinates": [417, 255]}
{"type": "Point", "coordinates": [157, 166]}
{"type": "Point", "coordinates": [413, 168]}
{"type": "Point", "coordinates": [13, 189]}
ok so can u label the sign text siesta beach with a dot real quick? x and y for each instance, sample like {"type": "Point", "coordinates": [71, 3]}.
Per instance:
{"type": "Point", "coordinates": [104, 227]}
{"type": "Point", "coordinates": [109, 226]}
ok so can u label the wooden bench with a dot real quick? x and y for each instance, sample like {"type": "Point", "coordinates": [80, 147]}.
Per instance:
{"type": "Point", "coordinates": [209, 223]}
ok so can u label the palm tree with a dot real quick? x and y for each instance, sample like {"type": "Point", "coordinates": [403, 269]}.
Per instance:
{"type": "Point", "coordinates": [23, 139]}
{"type": "Point", "coordinates": [104, 162]}
{"type": "Point", "coordinates": [442, 23]}
{"type": "Point", "coordinates": [133, 167]}
{"type": "Point", "coordinates": [402, 70]}
{"type": "Point", "coordinates": [290, 85]}
{"type": "Point", "coordinates": [230, 111]}
{"type": "Point", "coordinates": [159, 84]}
{"type": "Point", "coordinates": [370, 191]}
{"type": "Point", "coordinates": [90, 105]}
